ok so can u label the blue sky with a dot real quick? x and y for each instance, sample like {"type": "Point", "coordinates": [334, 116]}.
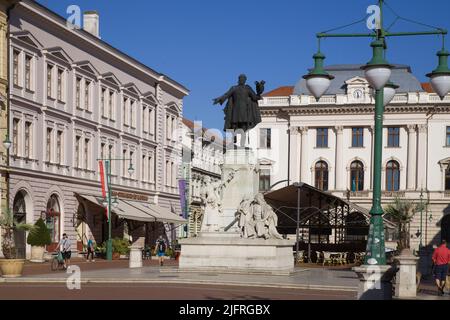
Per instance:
{"type": "Point", "coordinates": [206, 44]}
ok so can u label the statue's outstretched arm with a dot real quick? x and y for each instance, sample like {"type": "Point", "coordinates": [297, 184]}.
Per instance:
{"type": "Point", "coordinates": [223, 98]}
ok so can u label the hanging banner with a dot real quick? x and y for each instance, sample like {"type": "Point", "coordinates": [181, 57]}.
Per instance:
{"type": "Point", "coordinates": [103, 166]}
{"type": "Point", "coordinates": [183, 200]}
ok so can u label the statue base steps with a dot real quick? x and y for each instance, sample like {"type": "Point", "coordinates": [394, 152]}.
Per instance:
{"type": "Point", "coordinates": [228, 252]}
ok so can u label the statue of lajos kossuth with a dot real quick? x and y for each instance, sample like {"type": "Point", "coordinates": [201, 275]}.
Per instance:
{"type": "Point", "coordinates": [242, 110]}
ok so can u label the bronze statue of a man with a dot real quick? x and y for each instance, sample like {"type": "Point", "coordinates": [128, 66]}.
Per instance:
{"type": "Point", "coordinates": [242, 110]}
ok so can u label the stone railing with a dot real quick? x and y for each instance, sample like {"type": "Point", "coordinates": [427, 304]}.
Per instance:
{"type": "Point", "coordinates": [324, 99]}
{"type": "Point", "coordinates": [447, 193]}
{"type": "Point", "coordinates": [275, 101]}
{"type": "Point", "coordinates": [359, 194]}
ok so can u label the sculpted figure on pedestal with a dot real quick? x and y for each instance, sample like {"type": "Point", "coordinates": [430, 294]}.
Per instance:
{"type": "Point", "coordinates": [257, 219]}
{"type": "Point", "coordinates": [211, 202]}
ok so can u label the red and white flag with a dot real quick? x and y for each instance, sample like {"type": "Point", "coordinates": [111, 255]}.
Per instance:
{"type": "Point", "coordinates": [104, 181]}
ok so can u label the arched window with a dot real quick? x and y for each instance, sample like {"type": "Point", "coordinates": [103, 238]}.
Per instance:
{"type": "Point", "coordinates": [356, 176]}
{"type": "Point", "coordinates": [19, 211]}
{"type": "Point", "coordinates": [392, 176]}
{"type": "Point", "coordinates": [321, 174]}
{"type": "Point", "coordinates": [53, 219]}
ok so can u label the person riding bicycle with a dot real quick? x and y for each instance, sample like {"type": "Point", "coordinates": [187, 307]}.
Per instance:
{"type": "Point", "coordinates": [65, 247]}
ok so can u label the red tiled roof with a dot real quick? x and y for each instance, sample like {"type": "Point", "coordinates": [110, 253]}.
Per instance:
{"type": "Point", "coordinates": [280, 92]}
{"type": "Point", "coordinates": [427, 87]}
{"type": "Point", "coordinates": [188, 123]}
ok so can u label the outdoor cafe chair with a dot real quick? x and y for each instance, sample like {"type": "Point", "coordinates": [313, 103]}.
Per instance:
{"type": "Point", "coordinates": [327, 259]}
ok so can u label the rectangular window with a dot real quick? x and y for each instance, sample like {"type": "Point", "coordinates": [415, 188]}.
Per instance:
{"type": "Point", "coordinates": [152, 121]}
{"type": "Point", "coordinates": [168, 171]}
{"type": "Point", "coordinates": [174, 128]}
{"type": "Point", "coordinates": [111, 106]}
{"type": "Point", "coordinates": [357, 137]}
{"type": "Point", "coordinates": [110, 154]}
{"type": "Point", "coordinates": [59, 146]}
{"type": "Point", "coordinates": [16, 67]}
{"type": "Point", "coordinates": [168, 129]}
{"type": "Point", "coordinates": [60, 84]}
{"type": "Point", "coordinates": [77, 151]}
{"type": "Point", "coordinates": [86, 153]}
{"type": "Point", "coordinates": [78, 93]}
{"type": "Point", "coordinates": [132, 114]}
{"type": "Point", "coordinates": [448, 137]}
{"type": "Point", "coordinates": [150, 169]}
{"type": "Point", "coordinates": [87, 95]}
{"type": "Point", "coordinates": [28, 139]}
{"type": "Point", "coordinates": [322, 138]}
{"type": "Point", "coordinates": [125, 111]}
{"type": "Point", "coordinates": [16, 136]}
{"type": "Point", "coordinates": [264, 180]}
{"type": "Point", "coordinates": [49, 144]}
{"type": "Point", "coordinates": [393, 137]}
{"type": "Point", "coordinates": [144, 158]}
{"type": "Point", "coordinates": [124, 163]}
{"type": "Point", "coordinates": [130, 162]}
{"type": "Point", "coordinates": [49, 80]}
{"type": "Point", "coordinates": [102, 103]}
{"type": "Point", "coordinates": [265, 138]}
{"type": "Point", "coordinates": [102, 150]}
{"type": "Point", "coordinates": [28, 72]}
{"type": "Point", "coordinates": [144, 118]}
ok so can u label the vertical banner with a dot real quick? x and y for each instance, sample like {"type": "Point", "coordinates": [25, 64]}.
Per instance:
{"type": "Point", "coordinates": [183, 204]}
{"type": "Point", "coordinates": [104, 166]}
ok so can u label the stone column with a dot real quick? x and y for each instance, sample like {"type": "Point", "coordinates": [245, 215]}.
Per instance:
{"type": "Point", "coordinates": [305, 173]}
{"type": "Point", "coordinates": [406, 283]}
{"type": "Point", "coordinates": [422, 157]}
{"type": "Point", "coordinates": [412, 154]}
{"type": "Point", "coordinates": [339, 175]}
{"type": "Point", "coordinates": [295, 154]}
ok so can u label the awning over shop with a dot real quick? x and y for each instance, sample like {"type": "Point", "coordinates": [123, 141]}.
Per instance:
{"type": "Point", "coordinates": [138, 210]}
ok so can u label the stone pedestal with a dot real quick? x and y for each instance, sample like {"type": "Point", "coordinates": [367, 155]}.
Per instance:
{"type": "Point", "coordinates": [244, 183]}
{"type": "Point", "coordinates": [375, 282]}
{"type": "Point", "coordinates": [135, 260]}
{"type": "Point", "coordinates": [228, 252]}
{"type": "Point", "coordinates": [406, 282]}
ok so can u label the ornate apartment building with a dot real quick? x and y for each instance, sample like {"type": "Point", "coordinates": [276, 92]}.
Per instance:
{"type": "Point", "coordinates": [331, 144]}
{"type": "Point", "coordinates": [74, 100]}
{"type": "Point", "coordinates": [202, 157]}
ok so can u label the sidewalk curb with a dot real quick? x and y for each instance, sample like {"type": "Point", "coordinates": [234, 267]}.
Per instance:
{"type": "Point", "coordinates": [181, 281]}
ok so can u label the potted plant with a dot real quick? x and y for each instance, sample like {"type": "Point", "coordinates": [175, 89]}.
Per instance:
{"type": "Point", "coordinates": [38, 238]}
{"type": "Point", "coordinates": [120, 248]}
{"type": "Point", "coordinates": [402, 212]}
{"type": "Point", "coordinates": [10, 266]}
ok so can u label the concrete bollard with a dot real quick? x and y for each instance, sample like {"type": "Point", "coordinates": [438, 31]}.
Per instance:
{"type": "Point", "coordinates": [406, 280]}
{"type": "Point", "coordinates": [135, 260]}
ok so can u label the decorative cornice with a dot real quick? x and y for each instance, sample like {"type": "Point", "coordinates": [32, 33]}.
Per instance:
{"type": "Point", "coordinates": [353, 109]}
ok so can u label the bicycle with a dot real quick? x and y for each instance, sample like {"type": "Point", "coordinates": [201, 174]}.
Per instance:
{"type": "Point", "coordinates": [57, 262]}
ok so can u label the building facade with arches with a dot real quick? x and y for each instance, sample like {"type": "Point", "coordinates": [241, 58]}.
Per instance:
{"type": "Point", "coordinates": [331, 143]}
{"type": "Point", "coordinates": [74, 100]}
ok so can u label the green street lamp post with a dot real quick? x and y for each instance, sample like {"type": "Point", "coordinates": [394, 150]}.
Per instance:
{"type": "Point", "coordinates": [107, 202]}
{"type": "Point", "coordinates": [378, 72]}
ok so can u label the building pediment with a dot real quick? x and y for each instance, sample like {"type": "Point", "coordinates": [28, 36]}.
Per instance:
{"type": "Point", "coordinates": [28, 38]}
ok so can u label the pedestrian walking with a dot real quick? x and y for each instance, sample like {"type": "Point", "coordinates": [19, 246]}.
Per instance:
{"type": "Point", "coordinates": [90, 250]}
{"type": "Point", "coordinates": [160, 249]}
{"type": "Point", "coordinates": [441, 259]}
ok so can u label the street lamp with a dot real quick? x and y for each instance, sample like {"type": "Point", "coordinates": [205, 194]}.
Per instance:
{"type": "Point", "coordinates": [7, 143]}
{"type": "Point", "coordinates": [378, 72]}
{"type": "Point", "coordinates": [318, 80]}
{"type": "Point", "coordinates": [440, 77]}
{"type": "Point", "coordinates": [389, 92]}
{"type": "Point", "coordinates": [107, 203]}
